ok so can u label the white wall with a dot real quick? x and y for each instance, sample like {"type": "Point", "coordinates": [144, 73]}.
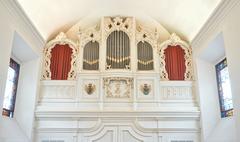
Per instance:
{"type": "Point", "coordinates": [6, 35]}
{"type": "Point", "coordinates": [224, 131]}
{"type": "Point", "coordinates": [10, 131]}
{"type": "Point", "coordinates": [208, 96]}
{"type": "Point", "coordinates": [231, 30]}
{"type": "Point", "coordinates": [14, 129]}
{"type": "Point", "coordinates": [26, 95]}
{"type": "Point", "coordinates": [214, 128]}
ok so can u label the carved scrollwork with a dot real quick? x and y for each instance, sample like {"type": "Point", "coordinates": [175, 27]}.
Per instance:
{"type": "Point", "coordinates": [90, 34]}
{"type": "Point", "coordinates": [174, 40]}
{"type": "Point", "coordinates": [118, 87]}
{"type": "Point", "coordinates": [145, 35]}
{"type": "Point", "coordinates": [60, 39]}
{"type": "Point", "coordinates": [124, 24]}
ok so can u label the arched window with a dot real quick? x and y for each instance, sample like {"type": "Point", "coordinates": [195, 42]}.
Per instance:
{"type": "Point", "coordinates": [118, 50]}
{"type": "Point", "coordinates": [175, 62]}
{"type": "Point", "coordinates": [60, 62]}
{"type": "Point", "coordinates": [145, 56]}
{"type": "Point", "coordinates": [91, 56]}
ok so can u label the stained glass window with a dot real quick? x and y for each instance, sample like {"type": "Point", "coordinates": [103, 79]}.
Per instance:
{"type": "Point", "coordinates": [11, 89]}
{"type": "Point", "coordinates": [224, 89]}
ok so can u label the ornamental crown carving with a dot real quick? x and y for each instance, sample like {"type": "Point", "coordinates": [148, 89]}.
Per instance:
{"type": "Point", "coordinates": [174, 40]}
{"type": "Point", "coordinates": [146, 35]}
{"type": "Point", "coordinates": [90, 34]}
{"type": "Point", "coordinates": [118, 23]}
{"type": "Point", "coordinates": [61, 36]}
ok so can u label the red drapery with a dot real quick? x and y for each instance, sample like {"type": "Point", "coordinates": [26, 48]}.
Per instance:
{"type": "Point", "coordinates": [175, 62]}
{"type": "Point", "coordinates": [60, 62]}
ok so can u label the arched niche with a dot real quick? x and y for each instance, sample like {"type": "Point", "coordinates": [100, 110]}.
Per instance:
{"type": "Point", "coordinates": [57, 46]}
{"type": "Point", "coordinates": [170, 52]}
{"type": "Point", "coordinates": [91, 56]}
{"type": "Point", "coordinates": [144, 56]}
{"type": "Point", "coordinates": [118, 51]}
{"type": "Point", "coordinates": [60, 62]}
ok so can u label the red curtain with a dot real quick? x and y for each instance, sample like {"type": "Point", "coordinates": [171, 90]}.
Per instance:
{"type": "Point", "coordinates": [175, 62]}
{"type": "Point", "coordinates": [60, 62]}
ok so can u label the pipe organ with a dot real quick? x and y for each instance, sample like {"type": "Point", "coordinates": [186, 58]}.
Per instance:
{"type": "Point", "coordinates": [118, 88]}
{"type": "Point", "coordinates": [145, 56]}
{"type": "Point", "coordinates": [118, 51]}
{"type": "Point", "coordinates": [91, 56]}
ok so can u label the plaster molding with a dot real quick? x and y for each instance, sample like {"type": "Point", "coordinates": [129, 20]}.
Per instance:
{"type": "Point", "coordinates": [216, 18]}
{"type": "Point", "coordinates": [132, 123]}
{"type": "Point", "coordinates": [157, 115]}
{"type": "Point", "coordinates": [20, 18]}
{"type": "Point", "coordinates": [118, 83]}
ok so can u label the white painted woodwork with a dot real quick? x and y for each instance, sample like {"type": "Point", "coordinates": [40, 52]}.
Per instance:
{"type": "Point", "coordinates": [117, 105]}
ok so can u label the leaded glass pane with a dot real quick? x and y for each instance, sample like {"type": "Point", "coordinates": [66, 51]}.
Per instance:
{"type": "Point", "coordinates": [224, 89]}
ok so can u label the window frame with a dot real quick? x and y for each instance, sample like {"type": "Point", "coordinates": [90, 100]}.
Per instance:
{"type": "Point", "coordinates": [219, 67]}
{"type": "Point", "coordinates": [16, 67]}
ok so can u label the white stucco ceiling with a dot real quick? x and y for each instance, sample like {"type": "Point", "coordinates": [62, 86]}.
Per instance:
{"type": "Point", "coordinates": [184, 17]}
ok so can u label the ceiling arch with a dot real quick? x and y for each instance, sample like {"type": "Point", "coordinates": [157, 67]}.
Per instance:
{"type": "Point", "coordinates": [185, 17]}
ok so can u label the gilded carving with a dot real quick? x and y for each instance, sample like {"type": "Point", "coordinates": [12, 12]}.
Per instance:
{"type": "Point", "coordinates": [118, 87]}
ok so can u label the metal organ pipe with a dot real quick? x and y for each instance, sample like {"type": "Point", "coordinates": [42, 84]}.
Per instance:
{"type": "Point", "coordinates": [118, 50]}
{"type": "Point", "coordinates": [91, 56]}
{"type": "Point", "coordinates": [118, 53]}
{"type": "Point", "coordinates": [145, 56]}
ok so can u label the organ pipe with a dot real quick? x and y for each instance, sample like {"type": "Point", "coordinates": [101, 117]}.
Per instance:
{"type": "Point", "coordinates": [118, 50]}
{"type": "Point", "coordinates": [145, 56]}
{"type": "Point", "coordinates": [91, 56]}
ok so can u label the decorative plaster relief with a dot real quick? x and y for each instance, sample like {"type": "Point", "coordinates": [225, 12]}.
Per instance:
{"type": "Point", "coordinates": [118, 87]}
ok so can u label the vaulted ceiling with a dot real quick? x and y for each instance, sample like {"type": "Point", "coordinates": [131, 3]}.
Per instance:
{"type": "Point", "coordinates": [185, 17]}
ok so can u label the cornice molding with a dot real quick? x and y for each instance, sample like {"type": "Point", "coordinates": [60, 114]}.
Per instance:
{"type": "Point", "coordinates": [178, 114]}
{"type": "Point", "coordinates": [216, 18]}
{"type": "Point", "coordinates": [19, 17]}
{"type": "Point", "coordinates": [77, 130]}
{"type": "Point", "coordinates": [100, 123]}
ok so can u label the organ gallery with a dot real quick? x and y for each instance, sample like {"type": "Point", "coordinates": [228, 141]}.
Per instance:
{"type": "Point", "coordinates": [111, 79]}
